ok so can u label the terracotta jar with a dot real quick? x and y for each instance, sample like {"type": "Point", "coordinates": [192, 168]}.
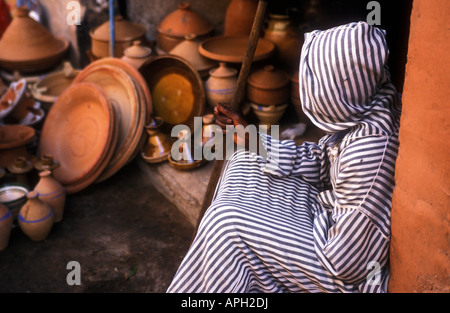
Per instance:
{"type": "Point", "coordinates": [53, 193]}
{"type": "Point", "coordinates": [188, 50]}
{"type": "Point", "coordinates": [268, 86]}
{"type": "Point", "coordinates": [27, 46]}
{"type": "Point", "coordinates": [286, 37]}
{"type": "Point", "coordinates": [179, 23]}
{"type": "Point", "coordinates": [137, 54]}
{"type": "Point", "coordinates": [36, 217]}
{"type": "Point", "coordinates": [6, 221]}
{"type": "Point", "coordinates": [125, 34]}
{"type": "Point", "coordinates": [158, 145]}
{"type": "Point", "coordinates": [221, 84]}
{"type": "Point", "coordinates": [239, 17]}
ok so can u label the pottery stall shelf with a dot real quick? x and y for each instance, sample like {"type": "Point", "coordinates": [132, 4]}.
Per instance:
{"type": "Point", "coordinates": [179, 23]}
{"type": "Point", "coordinates": [28, 47]}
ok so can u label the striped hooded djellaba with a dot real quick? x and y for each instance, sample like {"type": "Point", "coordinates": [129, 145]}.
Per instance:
{"type": "Point", "coordinates": [313, 217]}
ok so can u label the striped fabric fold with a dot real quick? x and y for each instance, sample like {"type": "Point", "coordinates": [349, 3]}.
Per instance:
{"type": "Point", "coordinates": [313, 217]}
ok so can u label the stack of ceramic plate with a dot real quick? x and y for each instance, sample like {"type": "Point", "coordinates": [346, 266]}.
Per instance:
{"type": "Point", "coordinates": [81, 144]}
{"type": "Point", "coordinates": [79, 131]}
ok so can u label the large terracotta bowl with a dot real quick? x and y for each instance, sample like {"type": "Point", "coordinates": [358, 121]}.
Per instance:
{"type": "Point", "coordinates": [79, 132]}
{"type": "Point", "coordinates": [177, 89]}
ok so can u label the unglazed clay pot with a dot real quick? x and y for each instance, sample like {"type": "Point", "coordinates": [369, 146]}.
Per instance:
{"type": "Point", "coordinates": [157, 147]}
{"type": "Point", "coordinates": [27, 46]}
{"type": "Point", "coordinates": [6, 220]}
{"type": "Point", "coordinates": [125, 34]}
{"type": "Point", "coordinates": [239, 17]}
{"type": "Point", "coordinates": [269, 115]}
{"type": "Point", "coordinates": [286, 37]}
{"type": "Point", "coordinates": [221, 84]}
{"type": "Point", "coordinates": [188, 50]}
{"type": "Point", "coordinates": [36, 217]}
{"type": "Point", "coordinates": [268, 86]}
{"type": "Point", "coordinates": [179, 23]}
{"type": "Point", "coordinates": [137, 54]}
{"type": "Point", "coordinates": [21, 167]}
{"type": "Point", "coordinates": [53, 193]}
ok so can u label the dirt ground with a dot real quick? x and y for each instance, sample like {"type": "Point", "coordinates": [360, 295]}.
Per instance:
{"type": "Point", "coordinates": [126, 237]}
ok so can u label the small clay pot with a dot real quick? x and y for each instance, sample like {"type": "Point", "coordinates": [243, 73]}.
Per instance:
{"type": "Point", "coordinates": [268, 86]}
{"type": "Point", "coordinates": [46, 163]}
{"type": "Point", "coordinates": [137, 54]}
{"type": "Point", "coordinates": [179, 23]}
{"type": "Point", "coordinates": [53, 193]}
{"type": "Point", "coordinates": [221, 84]}
{"type": "Point", "coordinates": [269, 115]}
{"type": "Point", "coordinates": [6, 221]}
{"type": "Point", "coordinates": [36, 217]}
{"type": "Point", "coordinates": [21, 167]}
{"type": "Point", "coordinates": [157, 147]}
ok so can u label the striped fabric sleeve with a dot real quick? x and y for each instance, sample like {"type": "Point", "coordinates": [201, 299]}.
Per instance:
{"type": "Point", "coordinates": [284, 158]}
{"type": "Point", "coordinates": [353, 234]}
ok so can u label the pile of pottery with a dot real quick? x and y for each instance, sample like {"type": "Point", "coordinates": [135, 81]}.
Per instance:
{"type": "Point", "coordinates": [96, 126]}
{"type": "Point", "coordinates": [35, 211]}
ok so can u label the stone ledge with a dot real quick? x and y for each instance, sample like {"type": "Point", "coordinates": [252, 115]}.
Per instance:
{"type": "Point", "coordinates": [185, 189]}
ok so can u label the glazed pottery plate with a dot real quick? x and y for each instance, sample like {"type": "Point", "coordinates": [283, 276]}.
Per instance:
{"type": "Point", "coordinates": [79, 133]}
{"type": "Point", "coordinates": [177, 89]}
{"type": "Point", "coordinates": [233, 48]}
{"type": "Point", "coordinates": [12, 97]}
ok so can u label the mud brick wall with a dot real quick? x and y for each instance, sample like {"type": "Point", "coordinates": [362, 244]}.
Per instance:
{"type": "Point", "coordinates": [421, 202]}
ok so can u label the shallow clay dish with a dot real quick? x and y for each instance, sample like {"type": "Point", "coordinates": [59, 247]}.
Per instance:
{"type": "Point", "coordinates": [177, 89]}
{"type": "Point", "coordinates": [79, 133]}
{"type": "Point", "coordinates": [232, 48]}
{"type": "Point", "coordinates": [122, 93]}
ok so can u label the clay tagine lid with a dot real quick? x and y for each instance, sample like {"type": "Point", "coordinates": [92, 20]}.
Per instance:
{"type": "Point", "coordinates": [223, 71]}
{"type": "Point", "coordinates": [138, 51]}
{"type": "Point", "coordinates": [27, 40]}
{"type": "Point", "coordinates": [269, 78]}
{"type": "Point", "coordinates": [124, 30]}
{"type": "Point", "coordinates": [188, 49]}
{"type": "Point", "coordinates": [20, 165]}
{"type": "Point", "coordinates": [185, 21]}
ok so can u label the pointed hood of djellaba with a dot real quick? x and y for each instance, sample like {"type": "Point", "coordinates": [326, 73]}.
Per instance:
{"type": "Point", "coordinates": [344, 79]}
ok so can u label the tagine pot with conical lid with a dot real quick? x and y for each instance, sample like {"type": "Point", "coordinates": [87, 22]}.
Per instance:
{"type": "Point", "coordinates": [179, 23]}
{"type": "Point", "coordinates": [27, 46]}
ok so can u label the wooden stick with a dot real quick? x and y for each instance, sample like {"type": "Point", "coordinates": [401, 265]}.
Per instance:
{"type": "Point", "coordinates": [236, 102]}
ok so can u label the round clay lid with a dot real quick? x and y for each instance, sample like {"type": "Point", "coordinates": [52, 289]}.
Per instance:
{"type": "Point", "coordinates": [26, 40]}
{"type": "Point", "coordinates": [184, 21]}
{"type": "Point", "coordinates": [137, 50]}
{"type": "Point", "coordinates": [269, 78]}
{"type": "Point", "coordinates": [123, 30]}
{"type": "Point", "coordinates": [223, 71]}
